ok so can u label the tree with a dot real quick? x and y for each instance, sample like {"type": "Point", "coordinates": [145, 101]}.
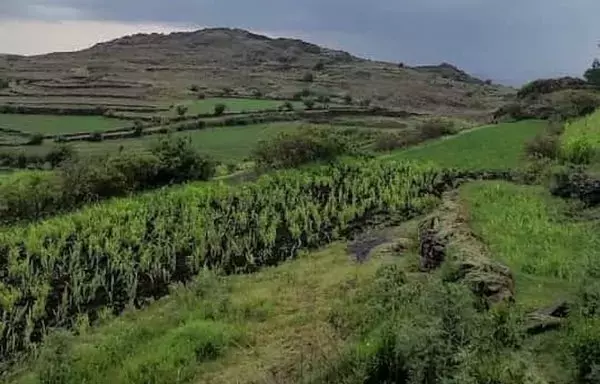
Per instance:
{"type": "Point", "coordinates": [181, 110]}
{"type": "Point", "coordinates": [308, 77]}
{"type": "Point", "coordinates": [592, 75]}
{"type": "Point", "coordinates": [220, 109]}
{"type": "Point", "coordinates": [319, 66]}
{"type": "Point", "coordinates": [309, 103]}
{"type": "Point", "coordinates": [4, 83]}
{"type": "Point", "coordinates": [138, 128]}
{"type": "Point", "coordinates": [347, 99]}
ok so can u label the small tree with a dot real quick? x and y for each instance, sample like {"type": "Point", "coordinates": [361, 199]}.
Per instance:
{"type": "Point", "coordinates": [309, 103]}
{"type": "Point", "coordinates": [319, 66]}
{"type": "Point", "coordinates": [37, 139]}
{"type": "Point", "coordinates": [592, 75]}
{"type": "Point", "coordinates": [308, 77]}
{"type": "Point", "coordinates": [220, 109]}
{"type": "Point", "coordinates": [138, 128]}
{"type": "Point", "coordinates": [181, 110]}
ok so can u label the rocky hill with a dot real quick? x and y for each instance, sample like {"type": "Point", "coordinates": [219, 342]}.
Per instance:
{"type": "Point", "coordinates": [159, 66]}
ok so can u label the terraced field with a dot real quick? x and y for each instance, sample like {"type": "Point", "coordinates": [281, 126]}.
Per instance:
{"type": "Point", "coordinates": [55, 125]}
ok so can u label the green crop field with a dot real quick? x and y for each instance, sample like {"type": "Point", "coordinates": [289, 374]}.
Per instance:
{"type": "Point", "coordinates": [54, 125]}
{"type": "Point", "coordinates": [580, 142]}
{"type": "Point", "coordinates": [491, 147]}
{"type": "Point", "coordinates": [528, 230]}
{"type": "Point", "coordinates": [228, 144]}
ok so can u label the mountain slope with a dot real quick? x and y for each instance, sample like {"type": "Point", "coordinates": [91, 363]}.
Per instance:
{"type": "Point", "coordinates": [165, 66]}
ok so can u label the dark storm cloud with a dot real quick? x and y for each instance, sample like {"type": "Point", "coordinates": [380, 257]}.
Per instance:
{"type": "Point", "coordinates": [510, 40]}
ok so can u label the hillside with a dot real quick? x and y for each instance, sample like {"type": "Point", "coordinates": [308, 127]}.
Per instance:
{"type": "Point", "coordinates": [158, 66]}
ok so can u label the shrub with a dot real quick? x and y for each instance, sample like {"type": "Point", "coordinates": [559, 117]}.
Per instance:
{"type": "Point", "coordinates": [180, 161]}
{"type": "Point", "coordinates": [181, 110]}
{"type": "Point", "coordinates": [201, 96]}
{"type": "Point", "coordinates": [287, 106]}
{"type": "Point", "coordinates": [194, 88]}
{"type": "Point", "coordinates": [584, 342]}
{"type": "Point", "coordinates": [308, 77]}
{"type": "Point", "coordinates": [95, 136]}
{"type": "Point", "coordinates": [257, 93]}
{"type": "Point", "coordinates": [138, 128]}
{"type": "Point", "coordinates": [319, 66]}
{"type": "Point", "coordinates": [219, 109]}
{"type": "Point", "coordinates": [436, 127]}
{"type": "Point", "coordinates": [60, 154]}
{"type": "Point", "coordinates": [309, 103]}
{"type": "Point", "coordinates": [4, 83]}
{"type": "Point", "coordinates": [389, 141]}
{"type": "Point", "coordinates": [36, 139]}
{"type": "Point", "coordinates": [543, 145]}
{"type": "Point", "coordinates": [592, 75]}
{"type": "Point", "coordinates": [293, 149]}
{"type": "Point", "coordinates": [347, 99]}
{"type": "Point", "coordinates": [365, 102]}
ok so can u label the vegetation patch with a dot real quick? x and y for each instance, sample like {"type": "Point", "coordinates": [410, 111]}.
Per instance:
{"type": "Point", "coordinates": [580, 142]}
{"type": "Point", "coordinates": [491, 147]}
{"type": "Point", "coordinates": [55, 125]}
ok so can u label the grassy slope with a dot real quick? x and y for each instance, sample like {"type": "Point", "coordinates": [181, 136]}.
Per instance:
{"type": "Point", "coordinates": [59, 124]}
{"type": "Point", "coordinates": [528, 230]}
{"type": "Point", "coordinates": [497, 146]}
{"type": "Point", "coordinates": [238, 329]}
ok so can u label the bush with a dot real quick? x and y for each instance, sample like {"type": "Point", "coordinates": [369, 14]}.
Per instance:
{"type": "Point", "coordinates": [309, 103]}
{"type": "Point", "coordinates": [319, 66]}
{"type": "Point", "coordinates": [181, 110]}
{"type": "Point", "coordinates": [219, 109]}
{"type": "Point", "coordinates": [257, 93]}
{"type": "Point", "coordinates": [95, 136]}
{"type": "Point", "coordinates": [542, 86]}
{"type": "Point", "coordinates": [201, 96]}
{"type": "Point", "coordinates": [36, 139]}
{"type": "Point", "coordinates": [60, 154]}
{"type": "Point", "coordinates": [347, 99]}
{"type": "Point", "coordinates": [287, 106]}
{"type": "Point", "coordinates": [293, 149]}
{"type": "Point", "coordinates": [194, 88]}
{"type": "Point", "coordinates": [138, 128]}
{"type": "Point", "coordinates": [4, 83]}
{"type": "Point", "coordinates": [180, 161]}
{"type": "Point", "coordinates": [584, 342]}
{"type": "Point", "coordinates": [308, 77]}
{"type": "Point", "coordinates": [365, 102]}
{"type": "Point", "coordinates": [592, 75]}
{"type": "Point", "coordinates": [543, 145]}
{"type": "Point", "coordinates": [436, 127]}
{"type": "Point", "coordinates": [389, 141]}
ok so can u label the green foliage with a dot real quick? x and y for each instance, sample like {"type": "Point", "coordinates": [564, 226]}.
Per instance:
{"type": "Point", "coordinates": [121, 253]}
{"type": "Point", "coordinates": [96, 137]}
{"type": "Point", "coordinates": [592, 75]}
{"type": "Point", "coordinates": [79, 180]}
{"type": "Point", "coordinates": [495, 147]}
{"type": "Point", "coordinates": [424, 331]}
{"type": "Point", "coordinates": [308, 77]}
{"type": "Point", "coordinates": [319, 66]}
{"type": "Point", "coordinates": [36, 139]}
{"type": "Point", "coordinates": [4, 83]}
{"type": "Point", "coordinates": [364, 102]}
{"type": "Point", "coordinates": [436, 127]}
{"type": "Point", "coordinates": [138, 128]}
{"type": "Point", "coordinates": [348, 99]}
{"type": "Point", "coordinates": [545, 144]}
{"type": "Point", "coordinates": [290, 150]}
{"type": "Point", "coordinates": [309, 103]}
{"type": "Point", "coordinates": [194, 88]}
{"type": "Point", "coordinates": [287, 106]}
{"type": "Point", "coordinates": [580, 143]}
{"type": "Point", "coordinates": [181, 110]}
{"type": "Point", "coordinates": [219, 109]}
{"type": "Point", "coordinates": [584, 342]}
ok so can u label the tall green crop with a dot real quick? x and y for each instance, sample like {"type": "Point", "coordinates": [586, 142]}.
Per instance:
{"type": "Point", "coordinates": [580, 142]}
{"type": "Point", "coordinates": [127, 251]}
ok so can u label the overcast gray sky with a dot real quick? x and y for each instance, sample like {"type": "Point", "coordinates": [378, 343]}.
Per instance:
{"type": "Point", "coordinates": [507, 40]}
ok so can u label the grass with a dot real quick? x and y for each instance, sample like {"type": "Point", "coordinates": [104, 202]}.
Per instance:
{"type": "Point", "coordinates": [580, 142]}
{"type": "Point", "coordinates": [240, 329]}
{"type": "Point", "coordinates": [226, 144]}
{"type": "Point", "coordinates": [529, 231]}
{"type": "Point", "coordinates": [54, 125]}
{"type": "Point", "coordinates": [490, 147]}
